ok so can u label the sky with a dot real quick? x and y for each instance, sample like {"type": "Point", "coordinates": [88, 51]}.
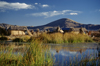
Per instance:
{"type": "Point", "coordinates": [41, 12]}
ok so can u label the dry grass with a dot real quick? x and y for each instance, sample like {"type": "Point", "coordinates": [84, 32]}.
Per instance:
{"type": "Point", "coordinates": [62, 38]}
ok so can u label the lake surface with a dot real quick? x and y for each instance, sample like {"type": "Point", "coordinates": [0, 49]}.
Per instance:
{"type": "Point", "coordinates": [83, 54]}
{"type": "Point", "coordinates": [76, 55]}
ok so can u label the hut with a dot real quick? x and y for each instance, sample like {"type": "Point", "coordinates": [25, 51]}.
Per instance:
{"type": "Point", "coordinates": [38, 32]}
{"type": "Point", "coordinates": [75, 30]}
{"type": "Point", "coordinates": [66, 29]}
{"type": "Point", "coordinates": [59, 30]}
{"type": "Point", "coordinates": [17, 30]}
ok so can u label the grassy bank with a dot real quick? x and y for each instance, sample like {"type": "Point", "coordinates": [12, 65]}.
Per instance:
{"type": "Point", "coordinates": [62, 38]}
{"type": "Point", "coordinates": [35, 56]}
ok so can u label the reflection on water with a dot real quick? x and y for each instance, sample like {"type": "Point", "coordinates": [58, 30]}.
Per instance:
{"type": "Point", "coordinates": [14, 47]}
{"type": "Point", "coordinates": [80, 54]}
{"type": "Point", "coordinates": [98, 49]}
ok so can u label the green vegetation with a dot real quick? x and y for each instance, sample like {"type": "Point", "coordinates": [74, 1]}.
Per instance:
{"type": "Point", "coordinates": [62, 38]}
{"type": "Point", "coordinates": [9, 59]}
{"type": "Point", "coordinates": [54, 38]}
{"type": "Point", "coordinates": [21, 39]}
{"type": "Point", "coordinates": [3, 31]}
{"type": "Point", "coordinates": [35, 56]}
{"type": "Point", "coordinates": [25, 38]}
{"type": "Point", "coordinates": [3, 38]}
{"type": "Point", "coordinates": [17, 40]}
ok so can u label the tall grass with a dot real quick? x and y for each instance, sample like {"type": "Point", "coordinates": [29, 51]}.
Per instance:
{"type": "Point", "coordinates": [34, 56]}
{"type": "Point", "coordinates": [76, 38]}
{"type": "Point", "coordinates": [63, 38]}
{"type": "Point", "coordinates": [9, 59]}
{"type": "Point", "coordinates": [52, 38]}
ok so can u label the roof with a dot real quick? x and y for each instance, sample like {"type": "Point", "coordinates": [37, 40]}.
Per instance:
{"type": "Point", "coordinates": [17, 28]}
{"type": "Point", "coordinates": [77, 29]}
{"type": "Point", "coordinates": [65, 28]}
{"type": "Point", "coordinates": [73, 29]}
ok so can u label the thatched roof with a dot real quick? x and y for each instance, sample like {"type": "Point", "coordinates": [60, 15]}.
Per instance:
{"type": "Point", "coordinates": [73, 29]}
{"type": "Point", "coordinates": [17, 28]}
{"type": "Point", "coordinates": [77, 29]}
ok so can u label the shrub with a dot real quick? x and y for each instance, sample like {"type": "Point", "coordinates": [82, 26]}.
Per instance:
{"type": "Point", "coordinates": [17, 40]}
{"type": "Point", "coordinates": [3, 38]}
{"type": "Point", "coordinates": [3, 31]}
{"type": "Point", "coordinates": [26, 38]}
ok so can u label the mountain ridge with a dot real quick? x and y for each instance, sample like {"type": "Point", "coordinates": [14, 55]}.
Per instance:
{"type": "Point", "coordinates": [66, 23]}
{"type": "Point", "coordinates": [63, 23]}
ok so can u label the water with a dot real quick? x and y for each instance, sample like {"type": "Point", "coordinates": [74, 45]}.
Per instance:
{"type": "Point", "coordinates": [75, 55]}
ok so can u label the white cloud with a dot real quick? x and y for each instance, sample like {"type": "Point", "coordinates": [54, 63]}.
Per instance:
{"type": "Point", "coordinates": [45, 5]}
{"type": "Point", "coordinates": [42, 5]}
{"type": "Point", "coordinates": [36, 3]}
{"type": "Point", "coordinates": [56, 13]}
{"type": "Point", "coordinates": [16, 6]}
{"type": "Point", "coordinates": [73, 13]}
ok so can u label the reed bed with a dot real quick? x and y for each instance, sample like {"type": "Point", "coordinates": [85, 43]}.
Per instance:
{"type": "Point", "coordinates": [35, 55]}
{"type": "Point", "coordinates": [62, 38]}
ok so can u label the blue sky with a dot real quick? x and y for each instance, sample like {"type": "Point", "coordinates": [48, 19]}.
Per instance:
{"type": "Point", "coordinates": [40, 12]}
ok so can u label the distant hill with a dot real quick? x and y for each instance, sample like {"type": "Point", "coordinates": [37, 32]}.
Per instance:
{"type": "Point", "coordinates": [3, 25]}
{"type": "Point", "coordinates": [66, 23]}
{"type": "Point", "coordinates": [63, 23]}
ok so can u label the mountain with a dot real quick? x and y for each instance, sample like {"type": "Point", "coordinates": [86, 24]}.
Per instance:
{"type": "Point", "coordinates": [63, 23]}
{"type": "Point", "coordinates": [66, 23]}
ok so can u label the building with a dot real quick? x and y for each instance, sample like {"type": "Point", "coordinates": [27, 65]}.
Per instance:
{"type": "Point", "coordinates": [75, 30]}
{"type": "Point", "coordinates": [17, 30]}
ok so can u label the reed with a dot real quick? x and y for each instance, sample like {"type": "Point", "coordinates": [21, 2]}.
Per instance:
{"type": "Point", "coordinates": [62, 38]}
{"type": "Point", "coordinates": [34, 56]}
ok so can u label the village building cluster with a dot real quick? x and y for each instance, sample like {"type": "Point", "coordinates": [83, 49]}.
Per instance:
{"type": "Point", "coordinates": [20, 30]}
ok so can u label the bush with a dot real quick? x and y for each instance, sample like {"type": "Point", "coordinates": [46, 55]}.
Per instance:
{"type": "Point", "coordinates": [17, 40]}
{"type": "Point", "coordinates": [3, 31]}
{"type": "Point", "coordinates": [26, 38]}
{"type": "Point", "coordinates": [3, 38]}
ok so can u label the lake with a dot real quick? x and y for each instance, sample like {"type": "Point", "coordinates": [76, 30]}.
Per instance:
{"type": "Point", "coordinates": [75, 54]}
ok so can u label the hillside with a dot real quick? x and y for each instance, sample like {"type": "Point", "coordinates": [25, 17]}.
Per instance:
{"type": "Point", "coordinates": [63, 23]}
{"type": "Point", "coordinates": [66, 23]}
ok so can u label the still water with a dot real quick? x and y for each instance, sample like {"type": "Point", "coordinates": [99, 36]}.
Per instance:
{"type": "Point", "coordinates": [76, 54]}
